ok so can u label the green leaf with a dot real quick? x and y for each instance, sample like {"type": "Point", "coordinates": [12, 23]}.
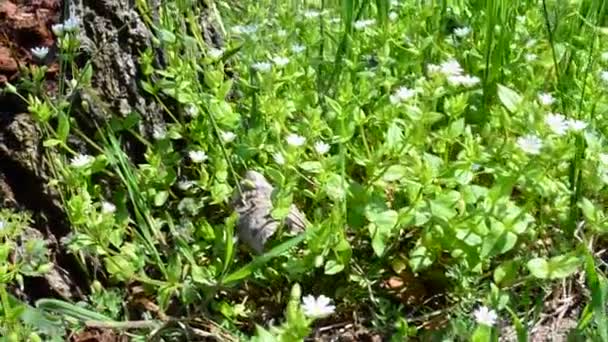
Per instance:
{"type": "Point", "coordinates": [394, 136]}
{"type": "Point", "coordinates": [482, 334]}
{"type": "Point", "coordinates": [469, 237]}
{"type": "Point", "coordinates": [509, 98]}
{"type": "Point", "coordinates": [463, 177]}
{"type": "Point", "coordinates": [380, 227]}
{"type": "Point", "coordinates": [201, 275]}
{"type": "Point", "coordinates": [167, 36]}
{"type": "Point", "coordinates": [131, 120]}
{"type": "Point", "coordinates": [589, 209]}
{"type": "Point", "coordinates": [394, 173]}
{"type": "Point", "coordinates": [335, 188]}
{"type": "Point", "coordinates": [456, 128]}
{"type": "Point", "coordinates": [51, 142]}
{"type": "Point", "coordinates": [87, 74]}
{"type": "Point", "coordinates": [558, 267]}
{"type": "Point", "coordinates": [120, 267]}
{"type": "Point", "coordinates": [563, 266]}
{"type": "Point", "coordinates": [539, 268]}
{"type": "Point", "coordinates": [43, 322]}
{"type": "Point", "coordinates": [160, 198]}
{"type": "Point", "coordinates": [311, 166]}
{"type": "Point", "coordinates": [229, 241]}
{"type": "Point", "coordinates": [335, 106]}
{"type": "Point", "coordinates": [333, 267]}
{"type": "Point", "coordinates": [420, 258]}
{"type": "Point", "coordinates": [386, 218]}
{"type": "Point", "coordinates": [521, 331]}
{"type": "Point", "coordinates": [63, 127]}
{"type": "Point", "coordinates": [599, 288]}
{"type": "Point", "coordinates": [498, 242]}
{"type": "Point", "coordinates": [443, 206]}
{"type": "Point", "coordinates": [382, 9]}
{"type": "Point", "coordinates": [503, 188]}
{"type": "Point", "coordinates": [263, 335]}
{"type": "Point", "coordinates": [505, 273]}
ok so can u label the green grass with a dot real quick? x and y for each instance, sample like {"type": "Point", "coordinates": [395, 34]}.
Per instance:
{"type": "Point", "coordinates": [446, 173]}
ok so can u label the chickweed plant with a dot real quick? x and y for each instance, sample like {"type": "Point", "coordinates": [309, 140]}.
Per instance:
{"type": "Point", "coordinates": [450, 156]}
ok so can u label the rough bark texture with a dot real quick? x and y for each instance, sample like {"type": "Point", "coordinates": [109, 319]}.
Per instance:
{"type": "Point", "coordinates": [113, 35]}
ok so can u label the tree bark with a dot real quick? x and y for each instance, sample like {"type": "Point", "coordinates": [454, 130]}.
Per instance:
{"type": "Point", "coordinates": [112, 34]}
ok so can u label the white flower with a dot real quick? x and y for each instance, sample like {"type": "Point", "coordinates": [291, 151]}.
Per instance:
{"type": "Point", "coordinates": [215, 53]}
{"type": "Point", "coordinates": [485, 316]}
{"type": "Point", "coordinates": [311, 14]}
{"type": "Point", "coordinates": [604, 56]}
{"type": "Point", "coordinates": [557, 123]}
{"type": "Point", "coordinates": [71, 25]}
{"type": "Point", "coordinates": [281, 33]}
{"type": "Point", "coordinates": [159, 132]}
{"type": "Point", "coordinates": [576, 125]}
{"type": "Point", "coordinates": [81, 160]}
{"type": "Point", "coordinates": [604, 158]}
{"type": "Point", "coordinates": [362, 24]}
{"type": "Point", "coordinates": [297, 48]}
{"type": "Point", "coordinates": [470, 81]}
{"type": "Point", "coordinates": [278, 158]}
{"type": "Point", "coordinates": [604, 76]}
{"type": "Point", "coordinates": [531, 43]}
{"type": "Point", "coordinates": [2, 225]}
{"type": "Point", "coordinates": [295, 140]}
{"type": "Point", "coordinates": [321, 147]}
{"type": "Point", "coordinates": [228, 136]}
{"type": "Point", "coordinates": [464, 80]}
{"type": "Point", "coordinates": [108, 208]}
{"type": "Point", "coordinates": [40, 52]}
{"type": "Point", "coordinates": [192, 110]}
{"type": "Point", "coordinates": [392, 16]}
{"type": "Point", "coordinates": [197, 156]}
{"type": "Point", "coordinates": [451, 68]}
{"type": "Point", "coordinates": [402, 94]}
{"type": "Point", "coordinates": [58, 30]}
{"type": "Point", "coordinates": [280, 61]}
{"type": "Point", "coordinates": [530, 57]}
{"type": "Point", "coordinates": [317, 307]}
{"type": "Point", "coordinates": [530, 144]}
{"type": "Point", "coordinates": [462, 31]}
{"type": "Point", "coordinates": [249, 29]}
{"type": "Point", "coordinates": [262, 66]}
{"type": "Point", "coordinates": [546, 99]}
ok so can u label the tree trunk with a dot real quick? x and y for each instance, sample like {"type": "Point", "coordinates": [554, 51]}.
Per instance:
{"type": "Point", "coordinates": [113, 34]}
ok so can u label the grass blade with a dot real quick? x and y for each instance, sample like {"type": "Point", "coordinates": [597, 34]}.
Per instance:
{"type": "Point", "coordinates": [258, 262]}
{"type": "Point", "coordinates": [71, 310]}
{"type": "Point", "coordinates": [599, 288]}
